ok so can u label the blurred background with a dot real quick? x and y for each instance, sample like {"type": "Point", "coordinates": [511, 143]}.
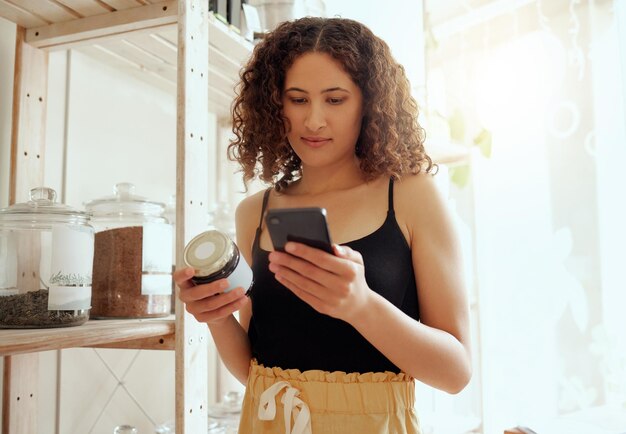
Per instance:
{"type": "Point", "coordinates": [531, 94]}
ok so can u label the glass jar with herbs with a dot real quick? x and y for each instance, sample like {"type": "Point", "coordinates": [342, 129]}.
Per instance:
{"type": "Point", "coordinates": [46, 255]}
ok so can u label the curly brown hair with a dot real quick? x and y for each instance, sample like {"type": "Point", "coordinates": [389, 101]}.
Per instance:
{"type": "Point", "coordinates": [391, 141]}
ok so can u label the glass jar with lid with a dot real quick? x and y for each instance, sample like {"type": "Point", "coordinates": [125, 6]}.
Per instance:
{"type": "Point", "coordinates": [46, 256]}
{"type": "Point", "coordinates": [132, 268]}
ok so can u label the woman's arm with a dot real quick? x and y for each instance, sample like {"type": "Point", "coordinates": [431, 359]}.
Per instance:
{"type": "Point", "coordinates": [208, 304]}
{"type": "Point", "coordinates": [436, 350]}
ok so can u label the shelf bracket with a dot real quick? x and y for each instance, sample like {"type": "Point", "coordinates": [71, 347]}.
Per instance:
{"type": "Point", "coordinates": [88, 30]}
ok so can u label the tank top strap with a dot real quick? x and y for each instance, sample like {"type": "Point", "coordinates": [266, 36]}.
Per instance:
{"type": "Point", "coordinates": [257, 235]}
{"type": "Point", "coordinates": [390, 207]}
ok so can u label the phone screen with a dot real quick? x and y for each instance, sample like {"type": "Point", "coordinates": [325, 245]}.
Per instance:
{"type": "Point", "coordinates": [303, 225]}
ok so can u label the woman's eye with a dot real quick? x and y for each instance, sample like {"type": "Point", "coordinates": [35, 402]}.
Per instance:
{"type": "Point", "coordinates": [335, 101]}
{"type": "Point", "coordinates": [298, 100]}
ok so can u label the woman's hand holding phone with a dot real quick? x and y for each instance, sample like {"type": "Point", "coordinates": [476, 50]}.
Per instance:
{"type": "Point", "coordinates": [332, 284]}
{"type": "Point", "coordinates": [303, 225]}
{"type": "Point", "coordinates": [208, 303]}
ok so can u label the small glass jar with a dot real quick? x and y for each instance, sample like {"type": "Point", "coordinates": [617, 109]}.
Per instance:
{"type": "Point", "coordinates": [213, 427]}
{"type": "Point", "coordinates": [46, 255]}
{"type": "Point", "coordinates": [215, 256]}
{"type": "Point", "coordinates": [227, 413]}
{"type": "Point", "coordinates": [132, 269]}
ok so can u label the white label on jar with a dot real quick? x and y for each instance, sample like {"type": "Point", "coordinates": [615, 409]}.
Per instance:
{"type": "Point", "coordinates": [241, 276]}
{"type": "Point", "coordinates": [70, 270]}
{"type": "Point", "coordinates": [156, 284]}
{"type": "Point", "coordinates": [69, 297]}
{"type": "Point", "coordinates": [157, 259]}
{"type": "Point", "coordinates": [8, 263]}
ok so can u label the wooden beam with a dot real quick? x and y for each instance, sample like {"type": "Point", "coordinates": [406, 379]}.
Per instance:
{"type": "Point", "coordinates": [166, 342]}
{"type": "Point", "coordinates": [28, 134]}
{"type": "Point", "coordinates": [97, 27]}
{"type": "Point", "coordinates": [91, 334]}
{"type": "Point", "coordinates": [19, 15]}
{"type": "Point", "coordinates": [20, 394]}
{"type": "Point", "coordinates": [30, 94]}
{"type": "Point", "coordinates": [49, 11]}
{"type": "Point", "coordinates": [192, 132]}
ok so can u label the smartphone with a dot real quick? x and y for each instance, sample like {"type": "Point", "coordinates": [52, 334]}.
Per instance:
{"type": "Point", "coordinates": [303, 225]}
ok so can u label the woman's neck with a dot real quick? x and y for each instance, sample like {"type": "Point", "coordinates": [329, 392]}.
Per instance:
{"type": "Point", "coordinates": [321, 180]}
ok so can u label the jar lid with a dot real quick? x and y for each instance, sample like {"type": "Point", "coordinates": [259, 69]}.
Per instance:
{"type": "Point", "coordinates": [125, 202]}
{"type": "Point", "coordinates": [43, 207]}
{"type": "Point", "coordinates": [208, 252]}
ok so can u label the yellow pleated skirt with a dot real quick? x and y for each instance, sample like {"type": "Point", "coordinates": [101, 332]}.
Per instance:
{"type": "Point", "coordinates": [288, 401]}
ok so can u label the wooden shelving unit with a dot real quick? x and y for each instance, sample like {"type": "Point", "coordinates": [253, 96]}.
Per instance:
{"type": "Point", "coordinates": [177, 46]}
{"type": "Point", "coordinates": [153, 334]}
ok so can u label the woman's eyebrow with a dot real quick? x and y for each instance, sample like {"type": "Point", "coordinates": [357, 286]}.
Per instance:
{"type": "Point", "coordinates": [296, 89]}
{"type": "Point", "coordinates": [330, 89]}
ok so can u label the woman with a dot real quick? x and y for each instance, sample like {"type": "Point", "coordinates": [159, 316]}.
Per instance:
{"type": "Point", "coordinates": [333, 343]}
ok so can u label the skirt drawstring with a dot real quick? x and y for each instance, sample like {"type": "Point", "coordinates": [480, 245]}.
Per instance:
{"type": "Point", "coordinates": [293, 407]}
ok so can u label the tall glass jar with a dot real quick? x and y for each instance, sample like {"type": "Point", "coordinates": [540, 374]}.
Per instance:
{"type": "Point", "coordinates": [132, 270]}
{"type": "Point", "coordinates": [46, 255]}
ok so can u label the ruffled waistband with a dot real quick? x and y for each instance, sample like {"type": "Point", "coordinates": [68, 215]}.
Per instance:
{"type": "Point", "coordinates": [328, 377]}
{"type": "Point", "coordinates": [323, 391]}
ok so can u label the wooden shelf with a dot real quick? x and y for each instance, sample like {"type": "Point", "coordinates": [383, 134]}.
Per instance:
{"type": "Point", "coordinates": [174, 43]}
{"type": "Point", "coordinates": [139, 38]}
{"type": "Point", "coordinates": [152, 57]}
{"type": "Point", "coordinates": [132, 333]}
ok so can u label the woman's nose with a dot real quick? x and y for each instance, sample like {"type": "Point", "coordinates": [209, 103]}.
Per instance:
{"type": "Point", "coordinates": [315, 119]}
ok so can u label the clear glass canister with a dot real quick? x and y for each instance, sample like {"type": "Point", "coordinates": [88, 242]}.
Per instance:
{"type": "Point", "coordinates": [132, 269]}
{"type": "Point", "coordinates": [46, 256]}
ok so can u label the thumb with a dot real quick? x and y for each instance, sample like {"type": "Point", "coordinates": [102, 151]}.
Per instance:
{"type": "Point", "coordinates": [346, 252]}
{"type": "Point", "coordinates": [182, 276]}
{"type": "Point", "coordinates": [342, 251]}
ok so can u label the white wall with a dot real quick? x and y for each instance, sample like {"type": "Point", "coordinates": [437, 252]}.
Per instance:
{"type": "Point", "coordinates": [120, 130]}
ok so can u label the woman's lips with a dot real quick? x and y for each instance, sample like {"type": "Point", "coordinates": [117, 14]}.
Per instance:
{"type": "Point", "coordinates": [315, 142]}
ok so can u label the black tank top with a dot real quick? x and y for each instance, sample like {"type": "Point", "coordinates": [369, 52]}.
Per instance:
{"type": "Point", "coordinates": [286, 332]}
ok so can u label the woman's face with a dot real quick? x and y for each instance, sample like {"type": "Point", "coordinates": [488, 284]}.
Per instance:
{"type": "Point", "coordinates": [324, 108]}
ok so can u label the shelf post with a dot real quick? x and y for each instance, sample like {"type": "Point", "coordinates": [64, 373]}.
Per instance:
{"type": "Point", "coordinates": [192, 194]}
{"type": "Point", "coordinates": [30, 93]}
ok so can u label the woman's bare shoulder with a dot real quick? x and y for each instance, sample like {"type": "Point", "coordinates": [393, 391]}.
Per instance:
{"type": "Point", "coordinates": [420, 202]}
{"type": "Point", "coordinates": [250, 204]}
{"type": "Point", "coordinates": [418, 190]}
{"type": "Point", "coordinates": [247, 217]}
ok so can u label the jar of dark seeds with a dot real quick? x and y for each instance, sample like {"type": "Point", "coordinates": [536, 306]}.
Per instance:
{"type": "Point", "coordinates": [46, 256]}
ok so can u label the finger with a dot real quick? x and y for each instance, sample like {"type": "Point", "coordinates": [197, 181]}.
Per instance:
{"type": "Point", "coordinates": [309, 298]}
{"type": "Point", "coordinates": [305, 268]}
{"type": "Point", "coordinates": [182, 277]}
{"type": "Point", "coordinates": [316, 256]}
{"type": "Point", "coordinates": [223, 311]}
{"type": "Point", "coordinates": [351, 260]}
{"type": "Point", "coordinates": [348, 253]}
{"type": "Point", "coordinates": [329, 294]}
{"type": "Point", "coordinates": [199, 292]}
{"type": "Point", "coordinates": [214, 303]}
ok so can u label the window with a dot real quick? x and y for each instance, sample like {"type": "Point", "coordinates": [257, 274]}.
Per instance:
{"type": "Point", "coordinates": [535, 92]}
